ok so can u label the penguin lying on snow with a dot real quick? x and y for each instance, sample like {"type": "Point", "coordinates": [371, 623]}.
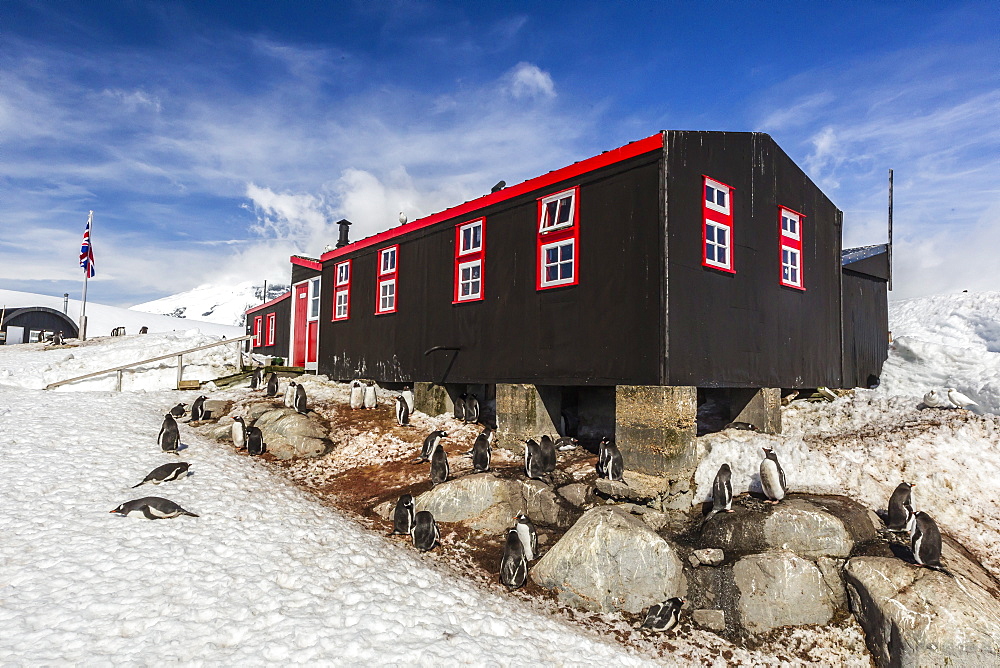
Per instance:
{"type": "Point", "coordinates": [513, 564]}
{"type": "Point", "coordinates": [402, 516]}
{"type": "Point", "coordinates": [663, 616]}
{"type": "Point", "coordinates": [178, 410]}
{"type": "Point", "coordinates": [901, 516]}
{"type": "Point", "coordinates": [772, 477]}
{"type": "Point", "coordinates": [425, 531]}
{"type": "Point", "coordinates": [165, 473]}
{"type": "Point", "coordinates": [152, 508]}
{"type": "Point", "coordinates": [198, 409]}
{"type": "Point", "coordinates": [169, 438]}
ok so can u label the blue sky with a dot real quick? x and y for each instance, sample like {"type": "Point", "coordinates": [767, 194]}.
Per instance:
{"type": "Point", "coordinates": [214, 139]}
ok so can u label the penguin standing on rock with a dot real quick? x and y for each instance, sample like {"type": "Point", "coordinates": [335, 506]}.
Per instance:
{"type": "Point", "coordinates": [722, 491]}
{"type": "Point", "coordinates": [772, 477]}
{"type": "Point", "coordinates": [439, 465]}
{"type": "Point", "coordinates": [257, 378]}
{"type": "Point", "coordinates": [482, 451]}
{"type": "Point", "coordinates": [371, 399]}
{"type": "Point", "coordinates": [290, 395]}
{"type": "Point", "coordinates": [402, 411]}
{"type": "Point", "coordinates": [239, 433]}
{"type": "Point", "coordinates": [901, 515]}
{"type": "Point", "coordinates": [431, 442]}
{"type": "Point", "coordinates": [402, 516]}
{"type": "Point", "coordinates": [152, 508]}
{"type": "Point", "coordinates": [547, 450]}
{"type": "Point", "coordinates": [425, 531]}
{"type": "Point", "coordinates": [533, 460]}
{"type": "Point", "coordinates": [407, 395]}
{"type": "Point", "coordinates": [272, 385]}
{"type": "Point", "coordinates": [198, 409]}
{"type": "Point", "coordinates": [165, 473]}
{"type": "Point", "coordinates": [926, 542]}
{"type": "Point", "coordinates": [169, 438]}
{"type": "Point", "coordinates": [460, 407]}
{"type": "Point", "coordinates": [472, 409]}
{"type": "Point", "coordinates": [255, 441]}
{"type": "Point", "coordinates": [610, 464]}
{"type": "Point", "coordinates": [663, 616]}
{"type": "Point", "coordinates": [300, 403]}
{"type": "Point", "coordinates": [513, 564]}
{"type": "Point", "coordinates": [529, 537]}
{"type": "Point", "coordinates": [178, 410]}
{"type": "Point", "coordinates": [357, 395]}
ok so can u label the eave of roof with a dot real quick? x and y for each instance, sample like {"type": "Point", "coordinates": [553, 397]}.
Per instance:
{"type": "Point", "coordinates": [270, 303]}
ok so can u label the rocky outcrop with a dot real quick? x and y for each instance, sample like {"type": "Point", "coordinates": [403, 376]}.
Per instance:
{"type": "Point", "coordinates": [485, 502]}
{"type": "Point", "coordinates": [655, 491]}
{"type": "Point", "coordinates": [610, 560]}
{"type": "Point", "coordinates": [914, 616]}
{"type": "Point", "coordinates": [289, 435]}
{"type": "Point", "coordinates": [781, 589]}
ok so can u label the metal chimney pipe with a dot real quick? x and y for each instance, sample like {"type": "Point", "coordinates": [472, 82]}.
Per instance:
{"type": "Point", "coordinates": [66, 302]}
{"type": "Point", "coordinates": [343, 241]}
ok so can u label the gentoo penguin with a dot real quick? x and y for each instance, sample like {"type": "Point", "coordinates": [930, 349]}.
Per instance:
{"type": "Point", "coordinates": [430, 443]}
{"type": "Point", "coordinates": [371, 399]}
{"type": "Point", "coordinates": [402, 516]}
{"type": "Point", "coordinates": [533, 460]}
{"type": "Point", "coordinates": [513, 565]}
{"type": "Point", "coordinates": [935, 399]}
{"type": "Point", "coordinates": [407, 395]}
{"type": "Point", "coordinates": [439, 464]}
{"type": "Point", "coordinates": [565, 443]}
{"type": "Point", "coordinates": [290, 395]}
{"type": "Point", "coordinates": [722, 490]}
{"type": "Point", "coordinates": [529, 537]}
{"type": "Point", "coordinates": [272, 385]}
{"type": "Point", "coordinates": [178, 410]}
{"type": "Point", "coordinates": [255, 441]}
{"type": "Point", "coordinates": [901, 516]}
{"type": "Point", "coordinates": [547, 451]}
{"type": "Point", "coordinates": [482, 451]}
{"type": "Point", "coordinates": [425, 531]}
{"type": "Point", "coordinates": [257, 378]}
{"type": "Point", "coordinates": [460, 407]}
{"type": "Point", "coordinates": [239, 433]}
{"type": "Point", "coordinates": [165, 473]}
{"type": "Point", "coordinates": [198, 409]}
{"type": "Point", "coordinates": [57, 338]}
{"type": "Point", "coordinates": [610, 464]}
{"type": "Point", "coordinates": [663, 616]}
{"type": "Point", "coordinates": [299, 403]}
{"type": "Point", "coordinates": [959, 400]}
{"type": "Point", "coordinates": [772, 477]}
{"type": "Point", "coordinates": [472, 409]}
{"type": "Point", "coordinates": [741, 426]}
{"type": "Point", "coordinates": [152, 508]}
{"type": "Point", "coordinates": [357, 395]}
{"type": "Point", "coordinates": [169, 438]}
{"type": "Point", "coordinates": [926, 541]}
{"type": "Point", "coordinates": [402, 411]}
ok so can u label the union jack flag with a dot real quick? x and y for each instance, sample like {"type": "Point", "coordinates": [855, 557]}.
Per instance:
{"type": "Point", "coordinates": [87, 251]}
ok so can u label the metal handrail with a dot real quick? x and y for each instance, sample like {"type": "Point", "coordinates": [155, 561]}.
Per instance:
{"type": "Point", "coordinates": [180, 363]}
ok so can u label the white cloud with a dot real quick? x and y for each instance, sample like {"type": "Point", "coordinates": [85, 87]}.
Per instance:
{"type": "Point", "coordinates": [529, 81]}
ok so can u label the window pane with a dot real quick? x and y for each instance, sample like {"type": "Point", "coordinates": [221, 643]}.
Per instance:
{"type": "Point", "coordinates": [465, 290]}
{"type": "Point", "coordinates": [709, 194]}
{"type": "Point", "coordinates": [710, 233]}
{"type": "Point", "coordinates": [721, 255]}
{"type": "Point", "coordinates": [551, 272]}
{"type": "Point", "coordinates": [720, 236]}
{"type": "Point", "coordinates": [710, 251]}
{"type": "Point", "coordinates": [475, 271]}
{"type": "Point", "coordinates": [784, 273]}
{"type": "Point", "coordinates": [795, 275]}
{"type": "Point", "coordinates": [474, 287]}
{"type": "Point", "coordinates": [784, 256]}
{"type": "Point", "coordinates": [551, 255]}
{"type": "Point", "coordinates": [565, 204]}
{"type": "Point", "coordinates": [566, 270]}
{"type": "Point", "coordinates": [566, 252]}
{"type": "Point", "coordinates": [550, 213]}
{"type": "Point", "coordinates": [721, 199]}
{"type": "Point", "coordinates": [465, 273]}
{"type": "Point", "coordinates": [477, 236]}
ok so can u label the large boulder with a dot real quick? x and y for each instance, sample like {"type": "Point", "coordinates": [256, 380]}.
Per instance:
{"type": "Point", "coordinates": [544, 506]}
{"type": "Point", "coordinates": [781, 589]}
{"type": "Point", "coordinates": [290, 435]}
{"type": "Point", "coordinates": [610, 560]}
{"type": "Point", "coordinates": [483, 501]}
{"type": "Point", "coordinates": [914, 616]}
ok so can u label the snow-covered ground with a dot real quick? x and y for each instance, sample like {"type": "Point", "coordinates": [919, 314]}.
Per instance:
{"type": "Point", "coordinates": [101, 319]}
{"type": "Point", "coordinates": [222, 304]}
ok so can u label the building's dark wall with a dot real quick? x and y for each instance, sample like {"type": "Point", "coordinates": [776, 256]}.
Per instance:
{"type": "Point", "coordinates": [282, 311]}
{"type": "Point", "coordinates": [40, 318]}
{"type": "Point", "coordinates": [866, 328]}
{"type": "Point", "coordinates": [603, 331]}
{"type": "Point", "coordinates": [746, 329]}
{"type": "Point", "coordinates": [300, 273]}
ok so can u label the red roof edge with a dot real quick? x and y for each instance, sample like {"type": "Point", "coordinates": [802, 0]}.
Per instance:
{"type": "Point", "coordinates": [631, 150]}
{"type": "Point", "coordinates": [266, 304]}
{"type": "Point", "coordinates": [306, 262]}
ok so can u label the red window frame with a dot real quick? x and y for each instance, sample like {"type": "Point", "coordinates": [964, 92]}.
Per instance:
{"type": "Point", "coordinates": [476, 255]}
{"type": "Point", "coordinates": [385, 276]}
{"type": "Point", "coordinates": [550, 235]}
{"type": "Point", "coordinates": [717, 216]}
{"type": "Point", "coordinates": [269, 329]}
{"type": "Point", "coordinates": [342, 286]}
{"type": "Point", "coordinates": [792, 243]}
{"type": "Point", "coordinates": [258, 325]}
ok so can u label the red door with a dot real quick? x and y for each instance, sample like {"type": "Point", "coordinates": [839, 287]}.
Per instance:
{"type": "Point", "coordinates": [299, 330]}
{"type": "Point", "coordinates": [311, 343]}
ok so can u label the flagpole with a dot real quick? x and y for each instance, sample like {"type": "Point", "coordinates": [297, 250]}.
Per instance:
{"type": "Point", "coordinates": [86, 274]}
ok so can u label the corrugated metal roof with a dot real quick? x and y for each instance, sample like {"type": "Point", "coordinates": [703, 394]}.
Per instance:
{"type": "Point", "coordinates": [851, 255]}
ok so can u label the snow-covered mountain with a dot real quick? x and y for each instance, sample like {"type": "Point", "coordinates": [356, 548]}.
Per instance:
{"type": "Point", "coordinates": [223, 304]}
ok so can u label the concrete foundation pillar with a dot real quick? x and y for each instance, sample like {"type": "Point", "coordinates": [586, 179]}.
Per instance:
{"type": "Point", "coordinates": [656, 429]}
{"type": "Point", "coordinates": [526, 411]}
{"type": "Point", "coordinates": [759, 407]}
{"type": "Point", "coordinates": [432, 399]}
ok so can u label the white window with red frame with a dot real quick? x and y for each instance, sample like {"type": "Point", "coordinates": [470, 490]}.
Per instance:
{"type": "Point", "coordinates": [269, 337]}
{"type": "Point", "coordinates": [258, 325]}
{"type": "Point", "coordinates": [342, 290]}
{"type": "Point", "coordinates": [470, 250]}
{"type": "Point", "coordinates": [790, 253]}
{"type": "Point", "coordinates": [717, 225]}
{"type": "Point", "coordinates": [388, 273]}
{"type": "Point", "coordinates": [558, 243]}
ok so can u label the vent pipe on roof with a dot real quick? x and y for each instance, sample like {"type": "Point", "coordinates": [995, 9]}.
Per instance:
{"type": "Point", "coordinates": [66, 302]}
{"type": "Point", "coordinates": [343, 240]}
{"type": "Point", "coordinates": [498, 187]}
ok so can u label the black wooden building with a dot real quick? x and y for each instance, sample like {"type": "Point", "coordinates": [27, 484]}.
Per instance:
{"type": "Point", "coordinates": [866, 314]}
{"type": "Point", "coordinates": [31, 324]}
{"type": "Point", "coordinates": [269, 324]}
{"type": "Point", "coordinates": [288, 326]}
{"type": "Point", "coordinates": [705, 259]}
